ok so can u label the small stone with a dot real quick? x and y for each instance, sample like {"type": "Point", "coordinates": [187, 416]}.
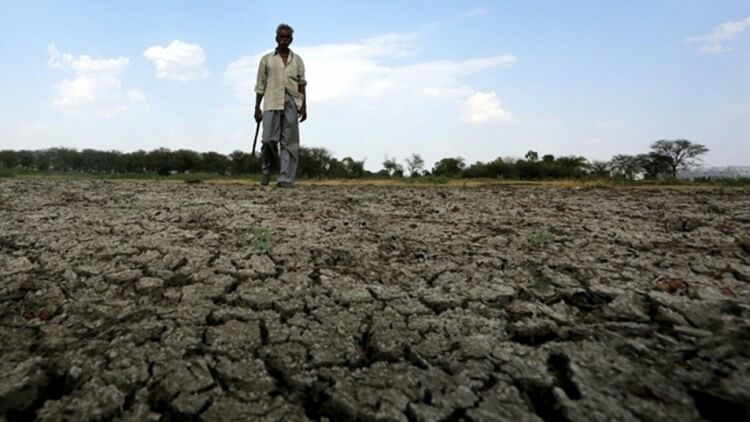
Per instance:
{"type": "Point", "coordinates": [123, 276]}
{"type": "Point", "coordinates": [190, 404]}
{"type": "Point", "coordinates": [741, 272]}
{"type": "Point", "coordinates": [629, 306]}
{"type": "Point", "coordinates": [147, 284]}
{"type": "Point", "coordinates": [262, 265]}
{"type": "Point", "coordinates": [172, 294]}
{"type": "Point", "coordinates": [355, 295]}
{"type": "Point", "coordinates": [18, 265]}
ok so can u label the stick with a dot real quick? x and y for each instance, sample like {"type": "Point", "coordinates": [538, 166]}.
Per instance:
{"type": "Point", "coordinates": [255, 139]}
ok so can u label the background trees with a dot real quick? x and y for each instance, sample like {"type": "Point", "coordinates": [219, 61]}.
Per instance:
{"type": "Point", "coordinates": [663, 161]}
{"type": "Point", "coordinates": [392, 168]}
{"type": "Point", "coordinates": [679, 153]}
{"type": "Point", "coordinates": [414, 164]}
{"type": "Point", "coordinates": [450, 167]}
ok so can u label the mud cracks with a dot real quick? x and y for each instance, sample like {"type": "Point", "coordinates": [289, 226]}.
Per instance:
{"type": "Point", "coordinates": [132, 302]}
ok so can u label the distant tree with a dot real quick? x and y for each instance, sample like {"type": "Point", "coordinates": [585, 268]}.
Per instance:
{"type": "Point", "coordinates": [392, 168]}
{"type": "Point", "coordinates": [451, 167]}
{"type": "Point", "coordinates": [679, 153]}
{"type": "Point", "coordinates": [315, 162]}
{"type": "Point", "coordinates": [503, 168]}
{"type": "Point", "coordinates": [571, 166]}
{"type": "Point", "coordinates": [599, 169]}
{"type": "Point", "coordinates": [25, 159]}
{"type": "Point", "coordinates": [353, 168]}
{"type": "Point", "coordinates": [185, 161]}
{"type": "Point", "coordinates": [528, 169]}
{"type": "Point", "coordinates": [626, 166]}
{"type": "Point", "coordinates": [42, 159]}
{"type": "Point", "coordinates": [478, 169]}
{"type": "Point", "coordinates": [136, 162]}
{"type": "Point", "coordinates": [548, 158]}
{"type": "Point", "coordinates": [8, 158]}
{"type": "Point", "coordinates": [532, 156]}
{"type": "Point", "coordinates": [160, 161]}
{"type": "Point", "coordinates": [654, 166]}
{"type": "Point", "coordinates": [414, 164]}
{"type": "Point", "coordinates": [241, 162]}
{"type": "Point", "coordinates": [213, 162]}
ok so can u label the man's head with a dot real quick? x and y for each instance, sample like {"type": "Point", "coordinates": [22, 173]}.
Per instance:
{"type": "Point", "coordinates": [284, 35]}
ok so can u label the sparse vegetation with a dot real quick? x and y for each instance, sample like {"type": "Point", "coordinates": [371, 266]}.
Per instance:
{"type": "Point", "coordinates": [262, 239]}
{"type": "Point", "coordinates": [661, 163]}
{"type": "Point", "coordinates": [540, 237]}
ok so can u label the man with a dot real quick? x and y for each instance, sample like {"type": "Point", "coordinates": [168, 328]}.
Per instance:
{"type": "Point", "coordinates": [281, 81]}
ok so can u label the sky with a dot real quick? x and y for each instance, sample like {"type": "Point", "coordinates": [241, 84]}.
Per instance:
{"type": "Point", "coordinates": [387, 79]}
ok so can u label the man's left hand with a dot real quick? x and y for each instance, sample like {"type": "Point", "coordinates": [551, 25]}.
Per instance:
{"type": "Point", "coordinates": [303, 113]}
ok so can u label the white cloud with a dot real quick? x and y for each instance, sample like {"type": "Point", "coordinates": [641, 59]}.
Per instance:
{"type": "Point", "coordinates": [483, 107]}
{"type": "Point", "coordinates": [713, 41]}
{"type": "Point", "coordinates": [96, 87]}
{"type": "Point", "coordinates": [178, 61]}
{"type": "Point", "coordinates": [476, 11]}
{"type": "Point", "coordinates": [360, 73]}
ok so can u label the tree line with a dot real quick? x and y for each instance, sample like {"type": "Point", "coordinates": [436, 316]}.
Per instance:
{"type": "Point", "coordinates": [663, 161]}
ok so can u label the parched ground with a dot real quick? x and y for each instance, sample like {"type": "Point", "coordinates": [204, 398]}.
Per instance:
{"type": "Point", "coordinates": [144, 301]}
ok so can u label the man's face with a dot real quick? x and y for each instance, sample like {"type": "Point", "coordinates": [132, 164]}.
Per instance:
{"type": "Point", "coordinates": [284, 38]}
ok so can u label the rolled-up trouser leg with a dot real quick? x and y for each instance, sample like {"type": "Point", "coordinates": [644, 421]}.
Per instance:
{"type": "Point", "coordinates": [289, 142]}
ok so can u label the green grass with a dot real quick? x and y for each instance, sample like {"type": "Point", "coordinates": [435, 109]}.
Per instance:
{"type": "Point", "coordinates": [6, 172]}
{"type": "Point", "coordinates": [539, 238]}
{"type": "Point", "coordinates": [262, 239]}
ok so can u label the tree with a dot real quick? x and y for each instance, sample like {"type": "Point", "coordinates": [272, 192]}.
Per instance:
{"type": "Point", "coordinates": [532, 156]}
{"type": "Point", "coordinates": [214, 162]}
{"type": "Point", "coordinates": [8, 158]}
{"type": "Point", "coordinates": [353, 168]}
{"type": "Point", "coordinates": [137, 161]}
{"type": "Point", "coordinates": [626, 166]}
{"type": "Point", "coordinates": [241, 162]}
{"type": "Point", "coordinates": [478, 169]}
{"type": "Point", "coordinates": [414, 164]}
{"type": "Point", "coordinates": [571, 166]}
{"type": "Point", "coordinates": [451, 167]}
{"type": "Point", "coordinates": [392, 168]}
{"type": "Point", "coordinates": [314, 162]}
{"type": "Point", "coordinates": [548, 158]}
{"type": "Point", "coordinates": [654, 165]}
{"type": "Point", "coordinates": [599, 169]}
{"type": "Point", "coordinates": [160, 161]}
{"type": "Point", "coordinates": [185, 161]}
{"type": "Point", "coordinates": [679, 153]}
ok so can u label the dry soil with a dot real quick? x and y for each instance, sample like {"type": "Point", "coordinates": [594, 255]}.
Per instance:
{"type": "Point", "coordinates": [138, 301]}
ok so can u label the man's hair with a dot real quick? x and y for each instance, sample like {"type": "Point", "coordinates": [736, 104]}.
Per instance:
{"type": "Point", "coordinates": [283, 26]}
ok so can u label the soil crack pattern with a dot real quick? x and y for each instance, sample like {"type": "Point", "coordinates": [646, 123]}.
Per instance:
{"type": "Point", "coordinates": [211, 302]}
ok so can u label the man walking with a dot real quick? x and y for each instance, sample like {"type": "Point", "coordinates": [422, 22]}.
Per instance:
{"type": "Point", "coordinates": [281, 80]}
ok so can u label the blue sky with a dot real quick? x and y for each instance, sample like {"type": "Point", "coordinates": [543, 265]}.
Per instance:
{"type": "Point", "coordinates": [475, 79]}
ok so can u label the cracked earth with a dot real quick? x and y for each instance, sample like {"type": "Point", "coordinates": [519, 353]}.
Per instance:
{"type": "Point", "coordinates": [137, 301]}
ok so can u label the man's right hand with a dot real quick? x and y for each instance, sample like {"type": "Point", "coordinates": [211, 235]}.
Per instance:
{"type": "Point", "coordinates": [258, 115]}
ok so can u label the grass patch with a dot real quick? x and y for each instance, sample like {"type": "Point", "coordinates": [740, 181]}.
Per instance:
{"type": "Point", "coordinates": [6, 172]}
{"type": "Point", "coordinates": [262, 239]}
{"type": "Point", "coordinates": [538, 238]}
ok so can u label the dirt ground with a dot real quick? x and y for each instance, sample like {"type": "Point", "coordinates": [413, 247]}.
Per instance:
{"type": "Point", "coordinates": [136, 301]}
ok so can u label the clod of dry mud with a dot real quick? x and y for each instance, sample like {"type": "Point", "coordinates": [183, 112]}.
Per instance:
{"type": "Point", "coordinates": [135, 301]}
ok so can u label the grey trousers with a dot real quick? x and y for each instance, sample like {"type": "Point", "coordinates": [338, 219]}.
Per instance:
{"type": "Point", "coordinates": [281, 140]}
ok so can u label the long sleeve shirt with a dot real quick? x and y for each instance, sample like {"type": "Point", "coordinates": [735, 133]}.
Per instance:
{"type": "Point", "coordinates": [275, 78]}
